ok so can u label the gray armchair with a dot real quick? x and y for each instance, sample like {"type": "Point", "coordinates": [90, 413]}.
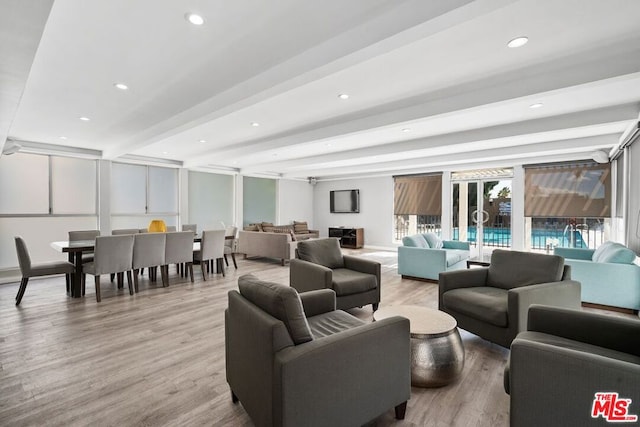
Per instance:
{"type": "Point", "coordinates": [293, 360]}
{"type": "Point", "coordinates": [493, 302]}
{"type": "Point", "coordinates": [564, 358]}
{"type": "Point", "coordinates": [320, 264]}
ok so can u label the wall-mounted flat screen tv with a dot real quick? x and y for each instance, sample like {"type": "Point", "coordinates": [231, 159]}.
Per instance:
{"type": "Point", "coordinates": [344, 201]}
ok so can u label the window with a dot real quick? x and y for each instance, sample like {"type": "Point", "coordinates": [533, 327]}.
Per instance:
{"type": "Point", "coordinates": [567, 204]}
{"type": "Point", "coordinates": [210, 199]}
{"type": "Point", "coordinates": [417, 204]}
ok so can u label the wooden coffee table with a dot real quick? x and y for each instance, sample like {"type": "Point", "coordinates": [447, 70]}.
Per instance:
{"type": "Point", "coordinates": [437, 353]}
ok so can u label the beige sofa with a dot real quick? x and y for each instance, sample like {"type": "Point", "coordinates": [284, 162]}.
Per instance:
{"type": "Point", "coordinates": [271, 244]}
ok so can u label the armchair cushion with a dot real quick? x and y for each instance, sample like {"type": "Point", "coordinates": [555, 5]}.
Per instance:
{"type": "Point", "coordinates": [281, 302]}
{"type": "Point", "coordinates": [347, 282]}
{"type": "Point", "coordinates": [332, 322]}
{"type": "Point", "coordinates": [482, 303]}
{"type": "Point", "coordinates": [510, 269]}
{"type": "Point", "coordinates": [325, 252]}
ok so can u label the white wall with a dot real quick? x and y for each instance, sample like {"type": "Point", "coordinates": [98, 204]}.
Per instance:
{"type": "Point", "coordinates": [376, 209]}
{"type": "Point", "coordinates": [295, 202]}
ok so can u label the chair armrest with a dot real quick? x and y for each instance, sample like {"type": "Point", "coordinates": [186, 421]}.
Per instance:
{"type": "Point", "coordinates": [307, 276]}
{"type": "Point", "coordinates": [616, 333]}
{"type": "Point", "coordinates": [318, 302]}
{"type": "Point", "coordinates": [549, 383]}
{"type": "Point", "coordinates": [565, 293]}
{"type": "Point", "coordinates": [374, 357]}
{"type": "Point", "coordinates": [455, 244]}
{"type": "Point", "coordinates": [362, 265]}
{"type": "Point", "coordinates": [574, 253]}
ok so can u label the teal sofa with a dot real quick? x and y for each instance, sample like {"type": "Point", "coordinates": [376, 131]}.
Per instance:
{"type": "Point", "coordinates": [608, 274]}
{"type": "Point", "coordinates": [424, 256]}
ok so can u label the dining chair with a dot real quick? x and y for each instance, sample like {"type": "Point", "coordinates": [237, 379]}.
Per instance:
{"type": "Point", "coordinates": [28, 270]}
{"type": "Point", "coordinates": [75, 236]}
{"type": "Point", "coordinates": [113, 254]}
{"type": "Point", "coordinates": [230, 244]}
{"type": "Point", "coordinates": [157, 226]}
{"type": "Point", "coordinates": [119, 232]}
{"type": "Point", "coordinates": [179, 250]}
{"type": "Point", "coordinates": [148, 251]}
{"type": "Point", "coordinates": [211, 248]}
{"type": "Point", "coordinates": [190, 227]}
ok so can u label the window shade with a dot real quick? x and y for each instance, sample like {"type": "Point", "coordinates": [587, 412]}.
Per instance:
{"type": "Point", "coordinates": [568, 190]}
{"type": "Point", "coordinates": [418, 195]}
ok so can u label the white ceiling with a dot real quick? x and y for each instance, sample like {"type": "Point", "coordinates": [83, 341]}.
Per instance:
{"type": "Point", "coordinates": [440, 70]}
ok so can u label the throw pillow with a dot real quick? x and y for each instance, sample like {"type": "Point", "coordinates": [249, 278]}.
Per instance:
{"type": "Point", "coordinates": [433, 240]}
{"type": "Point", "coordinates": [300, 227]}
{"type": "Point", "coordinates": [251, 227]}
{"type": "Point", "coordinates": [281, 302]}
{"type": "Point", "coordinates": [267, 227]}
{"type": "Point", "coordinates": [415, 241]}
{"type": "Point", "coordinates": [604, 247]}
{"type": "Point", "coordinates": [618, 254]}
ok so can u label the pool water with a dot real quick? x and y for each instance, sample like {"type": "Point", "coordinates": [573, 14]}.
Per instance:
{"type": "Point", "coordinates": [540, 237]}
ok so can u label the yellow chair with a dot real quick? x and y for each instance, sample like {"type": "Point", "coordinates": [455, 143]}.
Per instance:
{"type": "Point", "coordinates": [157, 226]}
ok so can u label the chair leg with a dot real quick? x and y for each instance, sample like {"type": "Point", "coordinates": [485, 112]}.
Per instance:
{"type": "Point", "coordinates": [375, 306]}
{"type": "Point", "coordinates": [112, 277]}
{"type": "Point", "coordinates": [190, 266]}
{"type": "Point", "coordinates": [220, 266]}
{"type": "Point", "coordinates": [83, 281]}
{"type": "Point", "coordinates": [23, 287]}
{"type": "Point", "coordinates": [234, 398]}
{"type": "Point", "coordinates": [97, 280]}
{"type": "Point", "coordinates": [203, 267]}
{"type": "Point", "coordinates": [129, 282]}
{"type": "Point", "coordinates": [135, 280]}
{"type": "Point", "coordinates": [233, 257]}
{"type": "Point", "coordinates": [401, 409]}
{"type": "Point", "coordinates": [226, 261]}
{"type": "Point", "coordinates": [163, 275]}
{"type": "Point", "coordinates": [120, 279]}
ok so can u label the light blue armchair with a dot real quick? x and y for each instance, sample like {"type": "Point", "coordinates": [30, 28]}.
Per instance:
{"type": "Point", "coordinates": [424, 256]}
{"type": "Point", "coordinates": [607, 274]}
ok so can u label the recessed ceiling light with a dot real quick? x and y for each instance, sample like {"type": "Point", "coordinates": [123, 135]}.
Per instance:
{"type": "Point", "coordinates": [518, 42]}
{"type": "Point", "coordinates": [84, 119]}
{"type": "Point", "coordinates": [194, 18]}
{"type": "Point", "coordinates": [62, 137]}
{"type": "Point", "coordinates": [343, 96]}
{"type": "Point", "coordinates": [255, 124]}
{"type": "Point", "coordinates": [203, 141]}
{"type": "Point", "coordinates": [121, 86]}
{"type": "Point", "coordinates": [405, 130]}
{"type": "Point", "coordinates": [536, 105]}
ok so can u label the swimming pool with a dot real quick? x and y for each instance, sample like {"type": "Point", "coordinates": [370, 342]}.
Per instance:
{"type": "Point", "coordinates": [540, 237]}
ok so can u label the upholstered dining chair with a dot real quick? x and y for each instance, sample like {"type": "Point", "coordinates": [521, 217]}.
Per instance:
{"type": "Point", "coordinates": [28, 270]}
{"type": "Point", "coordinates": [190, 227]}
{"type": "Point", "coordinates": [211, 248]}
{"type": "Point", "coordinates": [75, 236]}
{"type": "Point", "coordinates": [119, 232]}
{"type": "Point", "coordinates": [179, 250]}
{"type": "Point", "coordinates": [148, 251]}
{"type": "Point", "coordinates": [157, 226]}
{"type": "Point", "coordinates": [113, 254]}
{"type": "Point", "coordinates": [230, 244]}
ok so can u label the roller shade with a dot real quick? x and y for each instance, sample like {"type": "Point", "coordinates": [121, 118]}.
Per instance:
{"type": "Point", "coordinates": [568, 190]}
{"type": "Point", "coordinates": [418, 195]}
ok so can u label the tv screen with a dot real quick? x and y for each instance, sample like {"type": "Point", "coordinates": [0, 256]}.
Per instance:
{"type": "Point", "coordinates": [344, 201]}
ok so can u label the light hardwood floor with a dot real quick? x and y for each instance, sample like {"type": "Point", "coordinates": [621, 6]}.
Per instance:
{"type": "Point", "coordinates": [157, 358]}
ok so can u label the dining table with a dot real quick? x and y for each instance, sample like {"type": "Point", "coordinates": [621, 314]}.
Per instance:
{"type": "Point", "coordinates": [75, 250]}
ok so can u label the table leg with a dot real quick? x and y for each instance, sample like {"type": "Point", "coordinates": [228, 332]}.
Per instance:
{"type": "Point", "coordinates": [76, 278]}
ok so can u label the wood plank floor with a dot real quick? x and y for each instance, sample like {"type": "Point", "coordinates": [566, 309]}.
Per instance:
{"type": "Point", "coordinates": [157, 358]}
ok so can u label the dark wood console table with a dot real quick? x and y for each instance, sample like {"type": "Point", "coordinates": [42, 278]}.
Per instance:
{"type": "Point", "coordinates": [352, 238]}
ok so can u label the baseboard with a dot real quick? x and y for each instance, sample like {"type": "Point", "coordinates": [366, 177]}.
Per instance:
{"type": "Point", "coordinates": [10, 275]}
